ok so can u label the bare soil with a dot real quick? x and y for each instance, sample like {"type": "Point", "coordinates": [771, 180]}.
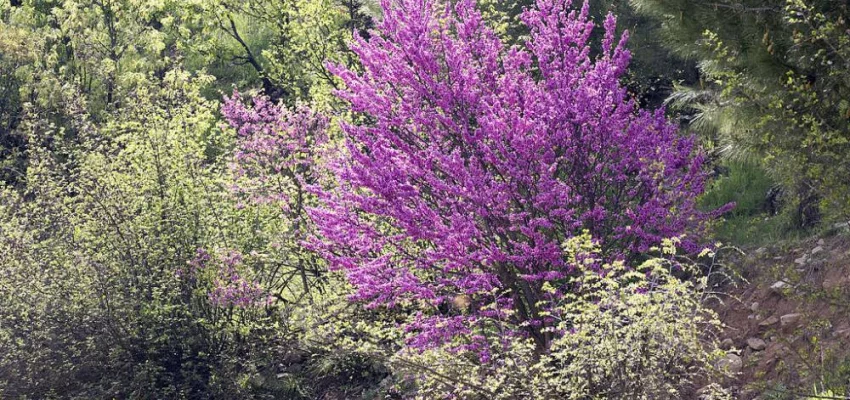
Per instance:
{"type": "Point", "coordinates": [801, 351]}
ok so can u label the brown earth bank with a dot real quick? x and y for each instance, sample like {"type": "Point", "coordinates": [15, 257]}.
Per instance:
{"type": "Point", "coordinates": [789, 320]}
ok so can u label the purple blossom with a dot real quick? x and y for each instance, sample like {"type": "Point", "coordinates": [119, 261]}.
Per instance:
{"type": "Point", "coordinates": [230, 288]}
{"type": "Point", "coordinates": [227, 286]}
{"type": "Point", "coordinates": [276, 150]}
{"type": "Point", "coordinates": [469, 163]}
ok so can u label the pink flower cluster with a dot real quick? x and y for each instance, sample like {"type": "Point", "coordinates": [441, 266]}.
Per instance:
{"type": "Point", "coordinates": [276, 150]}
{"type": "Point", "coordinates": [228, 286]}
{"type": "Point", "coordinates": [469, 163]}
{"type": "Point", "coordinates": [472, 162]}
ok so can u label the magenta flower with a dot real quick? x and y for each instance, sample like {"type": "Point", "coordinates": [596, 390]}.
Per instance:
{"type": "Point", "coordinates": [469, 163]}
{"type": "Point", "coordinates": [276, 150]}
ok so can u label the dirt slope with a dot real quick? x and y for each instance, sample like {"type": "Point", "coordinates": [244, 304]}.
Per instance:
{"type": "Point", "coordinates": [791, 319]}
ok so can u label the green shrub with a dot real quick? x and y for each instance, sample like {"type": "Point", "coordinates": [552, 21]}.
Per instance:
{"type": "Point", "coordinates": [763, 212]}
{"type": "Point", "coordinates": [746, 184]}
{"type": "Point", "coordinates": [92, 248]}
{"type": "Point", "coordinates": [637, 333]}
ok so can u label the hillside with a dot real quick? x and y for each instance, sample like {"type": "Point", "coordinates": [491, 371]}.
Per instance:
{"type": "Point", "coordinates": [790, 318]}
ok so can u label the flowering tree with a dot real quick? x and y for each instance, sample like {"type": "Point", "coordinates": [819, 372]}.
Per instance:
{"type": "Point", "coordinates": [274, 165]}
{"type": "Point", "coordinates": [473, 162]}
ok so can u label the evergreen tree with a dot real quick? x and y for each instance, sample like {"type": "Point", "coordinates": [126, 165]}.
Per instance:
{"type": "Point", "coordinates": [775, 84]}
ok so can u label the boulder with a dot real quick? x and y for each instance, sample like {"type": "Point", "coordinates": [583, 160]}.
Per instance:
{"type": "Point", "coordinates": [756, 344]}
{"type": "Point", "coordinates": [779, 286]}
{"type": "Point", "coordinates": [790, 319]}
{"type": "Point", "coordinates": [772, 320]}
{"type": "Point", "coordinates": [731, 363]}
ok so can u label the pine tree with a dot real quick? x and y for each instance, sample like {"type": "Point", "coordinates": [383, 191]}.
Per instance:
{"type": "Point", "coordinates": [775, 79]}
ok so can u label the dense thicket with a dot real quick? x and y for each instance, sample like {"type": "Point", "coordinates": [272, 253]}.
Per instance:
{"type": "Point", "coordinates": [117, 177]}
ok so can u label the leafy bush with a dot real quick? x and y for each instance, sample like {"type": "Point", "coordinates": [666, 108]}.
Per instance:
{"type": "Point", "coordinates": [628, 332]}
{"type": "Point", "coordinates": [93, 247]}
{"type": "Point", "coordinates": [747, 185]}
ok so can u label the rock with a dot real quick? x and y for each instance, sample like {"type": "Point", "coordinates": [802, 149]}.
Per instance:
{"type": "Point", "coordinates": [821, 242]}
{"type": "Point", "coordinates": [761, 250]}
{"type": "Point", "coordinates": [817, 250]}
{"type": "Point", "coordinates": [802, 260]}
{"type": "Point", "coordinates": [756, 344]}
{"type": "Point", "coordinates": [842, 331]}
{"type": "Point", "coordinates": [754, 307]}
{"type": "Point", "coordinates": [833, 282]}
{"type": "Point", "coordinates": [727, 344]}
{"type": "Point", "coordinates": [789, 319]}
{"type": "Point", "coordinates": [732, 363]}
{"type": "Point", "coordinates": [841, 225]}
{"type": "Point", "coordinates": [772, 320]}
{"type": "Point", "coordinates": [779, 286]}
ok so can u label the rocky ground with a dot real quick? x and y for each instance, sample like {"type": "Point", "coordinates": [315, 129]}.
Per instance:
{"type": "Point", "coordinates": [789, 319]}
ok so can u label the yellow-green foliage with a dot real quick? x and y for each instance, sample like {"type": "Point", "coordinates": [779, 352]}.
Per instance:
{"type": "Point", "coordinates": [637, 333]}
{"type": "Point", "coordinates": [104, 48]}
{"type": "Point", "coordinates": [286, 42]}
{"type": "Point", "coordinates": [319, 32]}
{"type": "Point", "coordinates": [92, 247]}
